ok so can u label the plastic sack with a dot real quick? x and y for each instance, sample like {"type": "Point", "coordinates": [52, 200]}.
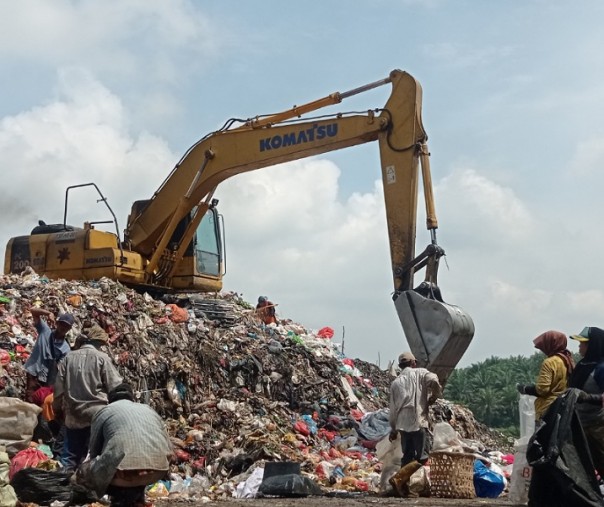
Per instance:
{"type": "Point", "coordinates": [44, 487]}
{"type": "Point", "coordinates": [27, 458]}
{"type": "Point", "coordinates": [520, 479]}
{"type": "Point", "coordinates": [390, 455]}
{"type": "Point", "coordinates": [18, 419]}
{"type": "Point", "coordinates": [419, 483]}
{"type": "Point", "coordinates": [487, 483]}
{"type": "Point", "coordinates": [8, 498]}
{"type": "Point", "coordinates": [289, 485]}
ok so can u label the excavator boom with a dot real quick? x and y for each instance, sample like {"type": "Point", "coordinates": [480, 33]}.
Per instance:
{"type": "Point", "coordinates": [164, 231]}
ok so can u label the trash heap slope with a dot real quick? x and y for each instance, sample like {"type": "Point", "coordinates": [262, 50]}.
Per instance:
{"type": "Point", "coordinates": [232, 391]}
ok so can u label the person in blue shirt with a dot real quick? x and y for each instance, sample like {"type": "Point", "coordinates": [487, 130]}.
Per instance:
{"type": "Point", "coordinates": [50, 348]}
{"type": "Point", "coordinates": [588, 376]}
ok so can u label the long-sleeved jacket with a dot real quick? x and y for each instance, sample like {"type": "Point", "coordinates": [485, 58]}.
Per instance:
{"type": "Point", "coordinates": [410, 396]}
{"type": "Point", "coordinates": [551, 382]}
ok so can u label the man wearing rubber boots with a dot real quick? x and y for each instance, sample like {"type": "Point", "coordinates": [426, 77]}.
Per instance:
{"type": "Point", "coordinates": [411, 394]}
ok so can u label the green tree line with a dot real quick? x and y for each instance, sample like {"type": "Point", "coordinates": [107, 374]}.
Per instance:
{"type": "Point", "coordinates": [488, 389]}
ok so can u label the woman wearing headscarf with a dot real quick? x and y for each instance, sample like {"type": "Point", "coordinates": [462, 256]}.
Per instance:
{"type": "Point", "coordinates": [589, 377]}
{"type": "Point", "coordinates": [554, 373]}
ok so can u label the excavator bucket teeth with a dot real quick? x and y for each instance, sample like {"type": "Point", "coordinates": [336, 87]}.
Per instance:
{"type": "Point", "coordinates": [438, 333]}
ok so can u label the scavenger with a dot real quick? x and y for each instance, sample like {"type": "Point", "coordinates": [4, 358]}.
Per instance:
{"type": "Point", "coordinates": [84, 378]}
{"type": "Point", "coordinates": [411, 393]}
{"type": "Point", "coordinates": [50, 348]}
{"type": "Point", "coordinates": [129, 449]}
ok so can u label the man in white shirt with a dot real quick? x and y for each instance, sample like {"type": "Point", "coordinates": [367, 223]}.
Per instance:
{"type": "Point", "coordinates": [411, 393]}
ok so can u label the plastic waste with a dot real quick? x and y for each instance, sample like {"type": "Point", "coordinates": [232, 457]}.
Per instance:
{"type": "Point", "coordinates": [158, 490]}
{"type": "Point", "coordinates": [487, 482]}
{"type": "Point", "coordinates": [178, 485]}
{"type": "Point", "coordinates": [43, 487]}
{"type": "Point", "coordinates": [249, 487]}
{"type": "Point", "coordinates": [289, 485]}
{"type": "Point", "coordinates": [446, 439]}
{"type": "Point", "coordinates": [312, 424]}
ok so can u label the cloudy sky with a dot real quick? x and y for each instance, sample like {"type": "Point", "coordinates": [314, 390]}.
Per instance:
{"type": "Point", "coordinates": [115, 92]}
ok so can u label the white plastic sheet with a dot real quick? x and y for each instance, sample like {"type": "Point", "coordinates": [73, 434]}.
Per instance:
{"type": "Point", "coordinates": [249, 487]}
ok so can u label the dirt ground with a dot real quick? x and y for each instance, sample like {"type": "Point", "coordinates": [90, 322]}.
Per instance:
{"type": "Point", "coordinates": [346, 501]}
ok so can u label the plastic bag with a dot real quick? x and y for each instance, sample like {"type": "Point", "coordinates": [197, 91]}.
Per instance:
{"type": "Point", "coordinates": [289, 485]}
{"type": "Point", "coordinates": [325, 332]}
{"type": "Point", "coordinates": [18, 419]}
{"type": "Point", "coordinates": [44, 487]}
{"type": "Point", "coordinates": [26, 458]}
{"type": "Point", "coordinates": [487, 482]}
{"type": "Point", "coordinates": [446, 439]}
{"type": "Point", "coordinates": [249, 487]}
{"type": "Point", "coordinates": [526, 409]}
{"type": "Point", "coordinates": [375, 425]}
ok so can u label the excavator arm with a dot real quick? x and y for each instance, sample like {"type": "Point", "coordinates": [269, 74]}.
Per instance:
{"type": "Point", "coordinates": [173, 240]}
{"type": "Point", "coordinates": [438, 333]}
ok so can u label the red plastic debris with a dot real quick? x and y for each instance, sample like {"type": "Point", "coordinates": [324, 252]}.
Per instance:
{"type": "Point", "coordinates": [199, 464]}
{"type": "Point", "coordinates": [4, 357]}
{"type": "Point", "coordinates": [325, 332]}
{"type": "Point", "coordinates": [27, 458]}
{"type": "Point", "coordinates": [178, 314]}
{"type": "Point", "coordinates": [356, 414]}
{"type": "Point", "coordinates": [182, 456]}
{"type": "Point", "coordinates": [302, 428]}
{"type": "Point", "coordinates": [361, 486]}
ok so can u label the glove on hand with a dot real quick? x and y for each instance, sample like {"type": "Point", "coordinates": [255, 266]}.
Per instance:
{"type": "Point", "coordinates": [529, 389]}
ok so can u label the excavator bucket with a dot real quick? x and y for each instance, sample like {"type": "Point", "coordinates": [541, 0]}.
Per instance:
{"type": "Point", "coordinates": [438, 333]}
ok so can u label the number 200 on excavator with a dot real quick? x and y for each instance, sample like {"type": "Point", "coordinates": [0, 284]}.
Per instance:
{"type": "Point", "coordinates": [174, 242]}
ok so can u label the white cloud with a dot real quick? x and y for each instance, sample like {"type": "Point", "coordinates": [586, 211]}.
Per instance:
{"type": "Point", "coordinates": [171, 38]}
{"type": "Point", "coordinates": [588, 304]}
{"type": "Point", "coordinates": [81, 137]}
{"type": "Point", "coordinates": [485, 212]}
{"type": "Point", "coordinates": [520, 301]}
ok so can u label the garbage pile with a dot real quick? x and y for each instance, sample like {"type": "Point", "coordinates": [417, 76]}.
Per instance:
{"type": "Point", "coordinates": [234, 392]}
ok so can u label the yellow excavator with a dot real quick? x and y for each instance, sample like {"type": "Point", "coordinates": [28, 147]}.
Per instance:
{"type": "Point", "coordinates": [174, 241]}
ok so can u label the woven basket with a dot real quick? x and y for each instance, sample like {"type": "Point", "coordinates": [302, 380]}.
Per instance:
{"type": "Point", "coordinates": [452, 475]}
